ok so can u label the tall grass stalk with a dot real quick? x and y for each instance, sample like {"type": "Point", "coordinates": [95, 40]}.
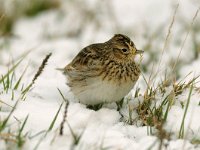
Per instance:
{"type": "Point", "coordinates": [166, 40]}
{"type": "Point", "coordinates": [181, 131]}
{"type": "Point", "coordinates": [183, 43]}
{"type": "Point", "coordinates": [39, 72]}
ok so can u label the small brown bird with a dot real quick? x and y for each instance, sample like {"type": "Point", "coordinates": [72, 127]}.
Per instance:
{"type": "Point", "coordinates": [104, 72]}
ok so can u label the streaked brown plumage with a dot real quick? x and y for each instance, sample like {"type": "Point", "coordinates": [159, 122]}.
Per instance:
{"type": "Point", "coordinates": [104, 72]}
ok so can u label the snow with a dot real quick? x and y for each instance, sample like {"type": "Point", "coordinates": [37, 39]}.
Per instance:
{"type": "Point", "coordinates": [52, 31]}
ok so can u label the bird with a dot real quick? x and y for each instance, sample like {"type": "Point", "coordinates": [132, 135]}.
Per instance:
{"type": "Point", "coordinates": [104, 72]}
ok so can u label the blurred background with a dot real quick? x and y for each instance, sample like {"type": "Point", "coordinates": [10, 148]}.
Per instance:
{"type": "Point", "coordinates": [66, 26]}
{"type": "Point", "coordinates": [167, 30]}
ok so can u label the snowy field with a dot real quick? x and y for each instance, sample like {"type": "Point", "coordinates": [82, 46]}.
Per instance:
{"type": "Point", "coordinates": [163, 114]}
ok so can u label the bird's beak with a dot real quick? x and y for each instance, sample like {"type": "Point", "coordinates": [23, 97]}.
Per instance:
{"type": "Point", "coordinates": [139, 52]}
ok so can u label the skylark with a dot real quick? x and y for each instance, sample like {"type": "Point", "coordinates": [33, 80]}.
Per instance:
{"type": "Point", "coordinates": [104, 72]}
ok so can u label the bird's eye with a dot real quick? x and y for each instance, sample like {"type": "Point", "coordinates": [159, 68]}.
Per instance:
{"type": "Point", "coordinates": [124, 50]}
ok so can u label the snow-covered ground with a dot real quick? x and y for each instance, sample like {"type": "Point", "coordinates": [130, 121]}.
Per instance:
{"type": "Point", "coordinates": [64, 32]}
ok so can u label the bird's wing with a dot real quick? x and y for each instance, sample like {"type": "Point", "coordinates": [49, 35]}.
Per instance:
{"type": "Point", "coordinates": [86, 64]}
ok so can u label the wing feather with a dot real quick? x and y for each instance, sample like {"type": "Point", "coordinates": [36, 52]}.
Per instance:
{"type": "Point", "coordinates": [86, 64]}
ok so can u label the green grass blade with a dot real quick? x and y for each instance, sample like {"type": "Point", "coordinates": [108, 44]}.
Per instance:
{"type": "Point", "coordinates": [63, 97]}
{"type": "Point", "coordinates": [7, 82]}
{"type": "Point", "coordinates": [11, 70]}
{"type": "Point", "coordinates": [19, 80]}
{"type": "Point", "coordinates": [11, 79]}
{"type": "Point", "coordinates": [3, 125]}
{"type": "Point", "coordinates": [49, 129]}
{"type": "Point", "coordinates": [167, 110]}
{"type": "Point", "coordinates": [4, 85]}
{"type": "Point", "coordinates": [20, 138]}
{"type": "Point", "coordinates": [181, 131]}
{"type": "Point", "coordinates": [23, 125]}
{"type": "Point", "coordinates": [54, 119]}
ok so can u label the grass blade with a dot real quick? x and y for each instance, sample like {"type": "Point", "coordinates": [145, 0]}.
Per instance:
{"type": "Point", "coordinates": [54, 119]}
{"type": "Point", "coordinates": [19, 80]}
{"type": "Point", "coordinates": [3, 125]}
{"type": "Point", "coordinates": [10, 70]}
{"type": "Point", "coordinates": [181, 131]}
{"type": "Point", "coordinates": [41, 68]}
{"type": "Point", "coordinates": [49, 129]}
{"type": "Point", "coordinates": [20, 138]}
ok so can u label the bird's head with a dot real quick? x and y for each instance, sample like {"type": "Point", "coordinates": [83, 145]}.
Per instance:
{"type": "Point", "coordinates": [123, 47]}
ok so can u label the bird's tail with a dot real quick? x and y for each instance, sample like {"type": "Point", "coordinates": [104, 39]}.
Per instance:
{"type": "Point", "coordinates": [60, 69]}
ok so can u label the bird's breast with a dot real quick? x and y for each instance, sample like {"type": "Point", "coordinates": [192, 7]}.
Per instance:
{"type": "Point", "coordinates": [120, 73]}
